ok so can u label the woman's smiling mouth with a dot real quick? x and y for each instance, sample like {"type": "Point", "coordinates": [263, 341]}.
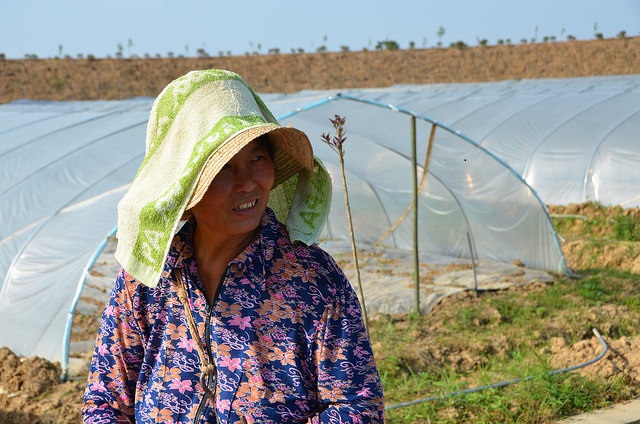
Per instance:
{"type": "Point", "coordinates": [247, 205]}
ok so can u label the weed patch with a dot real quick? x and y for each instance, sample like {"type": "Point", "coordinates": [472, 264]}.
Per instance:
{"type": "Point", "coordinates": [450, 364]}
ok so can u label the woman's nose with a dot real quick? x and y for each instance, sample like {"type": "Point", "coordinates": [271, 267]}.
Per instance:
{"type": "Point", "coordinates": [244, 179]}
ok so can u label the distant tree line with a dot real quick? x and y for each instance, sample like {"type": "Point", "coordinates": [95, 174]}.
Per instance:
{"type": "Point", "coordinates": [256, 49]}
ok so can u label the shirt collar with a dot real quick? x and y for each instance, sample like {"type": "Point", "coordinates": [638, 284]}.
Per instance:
{"type": "Point", "coordinates": [181, 254]}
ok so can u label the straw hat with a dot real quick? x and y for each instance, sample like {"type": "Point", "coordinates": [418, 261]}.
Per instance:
{"type": "Point", "coordinates": [292, 152]}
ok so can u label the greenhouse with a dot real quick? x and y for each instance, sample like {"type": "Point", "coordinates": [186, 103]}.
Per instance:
{"type": "Point", "coordinates": [481, 159]}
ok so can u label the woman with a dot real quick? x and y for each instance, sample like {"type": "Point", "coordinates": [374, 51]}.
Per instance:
{"type": "Point", "coordinates": [231, 316]}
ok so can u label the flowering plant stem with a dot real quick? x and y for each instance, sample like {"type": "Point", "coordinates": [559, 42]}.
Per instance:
{"type": "Point", "coordinates": [336, 143]}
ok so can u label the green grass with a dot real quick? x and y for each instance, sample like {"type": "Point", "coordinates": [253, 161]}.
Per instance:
{"type": "Point", "coordinates": [619, 226]}
{"type": "Point", "coordinates": [493, 357]}
{"type": "Point", "coordinates": [626, 228]}
{"type": "Point", "coordinates": [502, 336]}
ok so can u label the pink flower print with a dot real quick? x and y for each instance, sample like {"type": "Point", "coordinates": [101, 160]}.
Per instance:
{"type": "Point", "coordinates": [188, 344]}
{"type": "Point", "coordinates": [359, 351]}
{"type": "Point", "coordinates": [355, 419]}
{"type": "Point", "coordinates": [242, 322]}
{"type": "Point", "coordinates": [98, 386]}
{"type": "Point", "coordinates": [246, 281]}
{"type": "Point", "coordinates": [103, 349]}
{"type": "Point", "coordinates": [231, 364]}
{"type": "Point", "coordinates": [200, 303]}
{"type": "Point", "coordinates": [181, 385]}
{"type": "Point", "coordinates": [365, 391]}
{"type": "Point", "coordinates": [223, 404]}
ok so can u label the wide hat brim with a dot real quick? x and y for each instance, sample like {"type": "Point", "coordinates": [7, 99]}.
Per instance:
{"type": "Point", "coordinates": [292, 152]}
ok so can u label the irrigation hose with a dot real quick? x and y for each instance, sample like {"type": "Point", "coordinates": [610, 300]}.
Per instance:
{"type": "Point", "coordinates": [605, 348]}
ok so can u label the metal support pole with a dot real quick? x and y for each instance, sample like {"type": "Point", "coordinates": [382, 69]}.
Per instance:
{"type": "Point", "coordinates": [473, 263]}
{"type": "Point", "coordinates": [416, 250]}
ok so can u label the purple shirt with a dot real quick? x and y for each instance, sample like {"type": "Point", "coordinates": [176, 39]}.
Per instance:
{"type": "Point", "coordinates": [285, 332]}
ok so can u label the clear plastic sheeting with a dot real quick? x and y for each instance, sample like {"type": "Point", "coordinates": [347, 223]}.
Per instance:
{"type": "Point", "coordinates": [65, 165]}
{"type": "Point", "coordinates": [572, 140]}
{"type": "Point", "coordinates": [469, 194]}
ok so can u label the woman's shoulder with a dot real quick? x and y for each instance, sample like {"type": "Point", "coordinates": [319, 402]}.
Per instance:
{"type": "Point", "coordinates": [127, 283]}
{"type": "Point", "coordinates": [314, 261]}
{"type": "Point", "coordinates": [312, 253]}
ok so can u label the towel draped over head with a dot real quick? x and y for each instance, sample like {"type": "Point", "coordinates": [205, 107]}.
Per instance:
{"type": "Point", "coordinates": [197, 123]}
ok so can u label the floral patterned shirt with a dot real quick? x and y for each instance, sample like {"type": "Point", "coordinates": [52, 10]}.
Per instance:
{"type": "Point", "coordinates": [285, 332]}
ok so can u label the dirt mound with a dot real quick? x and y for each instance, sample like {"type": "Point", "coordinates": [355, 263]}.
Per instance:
{"type": "Point", "coordinates": [595, 236]}
{"type": "Point", "coordinates": [581, 254]}
{"type": "Point", "coordinates": [621, 360]}
{"type": "Point", "coordinates": [31, 376]}
{"type": "Point", "coordinates": [31, 392]}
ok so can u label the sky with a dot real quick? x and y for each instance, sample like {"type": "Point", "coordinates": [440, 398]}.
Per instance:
{"type": "Point", "coordinates": [59, 28]}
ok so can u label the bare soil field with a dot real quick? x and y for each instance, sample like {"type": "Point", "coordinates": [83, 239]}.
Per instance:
{"type": "Point", "coordinates": [84, 79]}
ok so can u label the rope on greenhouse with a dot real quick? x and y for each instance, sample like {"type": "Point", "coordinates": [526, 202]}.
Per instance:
{"type": "Point", "coordinates": [425, 168]}
{"type": "Point", "coordinates": [605, 348]}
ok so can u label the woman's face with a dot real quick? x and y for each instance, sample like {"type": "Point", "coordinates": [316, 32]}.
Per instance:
{"type": "Point", "coordinates": [237, 197]}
